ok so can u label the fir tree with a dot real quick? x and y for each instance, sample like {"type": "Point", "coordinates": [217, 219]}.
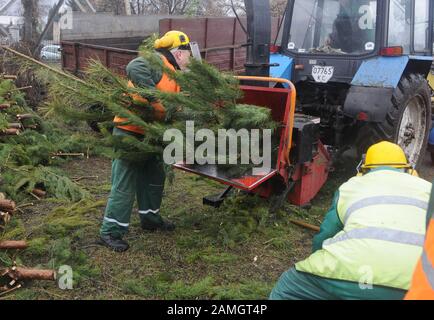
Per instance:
{"type": "Point", "coordinates": [208, 97]}
{"type": "Point", "coordinates": [27, 153]}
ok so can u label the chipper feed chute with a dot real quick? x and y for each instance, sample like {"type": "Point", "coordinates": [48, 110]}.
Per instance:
{"type": "Point", "coordinates": [301, 164]}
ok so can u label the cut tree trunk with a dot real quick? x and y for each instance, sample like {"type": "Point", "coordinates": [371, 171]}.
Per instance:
{"type": "Point", "coordinates": [17, 274]}
{"type": "Point", "coordinates": [8, 77]}
{"type": "Point", "coordinates": [13, 245]}
{"type": "Point", "coordinates": [10, 132]}
{"type": "Point", "coordinates": [24, 116]}
{"type": "Point", "coordinates": [15, 126]}
{"type": "Point", "coordinates": [8, 205]}
{"type": "Point", "coordinates": [39, 193]}
{"type": "Point", "coordinates": [5, 106]}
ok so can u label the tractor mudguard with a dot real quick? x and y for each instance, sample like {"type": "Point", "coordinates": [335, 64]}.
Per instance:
{"type": "Point", "coordinates": [370, 96]}
{"type": "Point", "coordinates": [386, 72]}
{"type": "Point", "coordinates": [381, 72]}
{"type": "Point", "coordinates": [281, 67]}
{"type": "Point", "coordinates": [368, 103]}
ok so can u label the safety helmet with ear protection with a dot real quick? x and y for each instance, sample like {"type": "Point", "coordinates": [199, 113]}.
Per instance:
{"type": "Point", "coordinates": [178, 40]}
{"type": "Point", "coordinates": [172, 40]}
{"type": "Point", "coordinates": [386, 154]}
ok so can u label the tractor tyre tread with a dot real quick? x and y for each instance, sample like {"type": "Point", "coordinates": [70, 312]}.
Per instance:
{"type": "Point", "coordinates": [373, 133]}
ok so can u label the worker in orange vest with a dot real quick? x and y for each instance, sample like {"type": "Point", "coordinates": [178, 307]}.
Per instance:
{"type": "Point", "coordinates": [144, 180]}
{"type": "Point", "coordinates": [422, 287]}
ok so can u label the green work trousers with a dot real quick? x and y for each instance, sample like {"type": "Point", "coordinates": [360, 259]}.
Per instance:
{"type": "Point", "coordinates": [294, 285]}
{"type": "Point", "coordinates": [144, 180]}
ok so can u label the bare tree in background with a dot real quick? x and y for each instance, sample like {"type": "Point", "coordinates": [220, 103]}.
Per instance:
{"type": "Point", "coordinates": [31, 20]}
{"type": "Point", "coordinates": [278, 7]}
{"type": "Point", "coordinates": [170, 7]}
{"type": "Point", "coordinates": [183, 7]}
{"type": "Point", "coordinates": [115, 6]}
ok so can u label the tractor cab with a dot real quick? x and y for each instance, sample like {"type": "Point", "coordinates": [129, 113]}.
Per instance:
{"type": "Point", "coordinates": [348, 74]}
{"type": "Point", "coordinates": [333, 27]}
{"type": "Point", "coordinates": [361, 66]}
{"type": "Point", "coordinates": [345, 33]}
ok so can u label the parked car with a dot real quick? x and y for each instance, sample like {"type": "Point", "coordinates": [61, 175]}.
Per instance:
{"type": "Point", "coordinates": [51, 53]}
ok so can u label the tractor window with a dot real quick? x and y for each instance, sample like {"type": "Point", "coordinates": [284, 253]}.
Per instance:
{"type": "Point", "coordinates": [400, 24]}
{"type": "Point", "coordinates": [421, 25]}
{"type": "Point", "coordinates": [333, 26]}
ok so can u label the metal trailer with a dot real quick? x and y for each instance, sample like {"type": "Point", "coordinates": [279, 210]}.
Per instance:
{"type": "Point", "coordinates": [221, 40]}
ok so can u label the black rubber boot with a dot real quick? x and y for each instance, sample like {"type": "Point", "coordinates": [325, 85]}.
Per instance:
{"type": "Point", "coordinates": [116, 244]}
{"type": "Point", "coordinates": [154, 222]}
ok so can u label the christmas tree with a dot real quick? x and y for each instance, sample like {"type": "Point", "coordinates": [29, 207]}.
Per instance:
{"type": "Point", "coordinates": [208, 97]}
{"type": "Point", "coordinates": [29, 147]}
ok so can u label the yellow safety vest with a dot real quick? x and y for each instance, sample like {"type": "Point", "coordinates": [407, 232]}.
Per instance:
{"type": "Point", "coordinates": [384, 215]}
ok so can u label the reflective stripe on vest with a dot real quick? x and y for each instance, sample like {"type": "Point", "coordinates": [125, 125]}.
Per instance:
{"type": "Point", "coordinates": [428, 268]}
{"type": "Point", "coordinates": [384, 217]}
{"type": "Point", "coordinates": [427, 265]}
{"type": "Point", "coordinates": [384, 234]}
{"type": "Point", "coordinates": [385, 200]}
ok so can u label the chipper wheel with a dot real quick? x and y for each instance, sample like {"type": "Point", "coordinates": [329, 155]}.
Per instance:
{"type": "Point", "coordinates": [408, 123]}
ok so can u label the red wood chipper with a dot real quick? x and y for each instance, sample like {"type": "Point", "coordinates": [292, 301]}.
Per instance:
{"type": "Point", "coordinates": [302, 163]}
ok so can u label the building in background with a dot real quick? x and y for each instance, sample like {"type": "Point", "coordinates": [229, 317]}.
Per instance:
{"type": "Point", "coordinates": [12, 20]}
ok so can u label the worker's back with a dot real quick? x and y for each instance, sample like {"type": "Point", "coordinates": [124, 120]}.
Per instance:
{"type": "Point", "coordinates": [384, 215]}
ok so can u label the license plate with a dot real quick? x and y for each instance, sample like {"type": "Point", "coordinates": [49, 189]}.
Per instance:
{"type": "Point", "coordinates": [322, 74]}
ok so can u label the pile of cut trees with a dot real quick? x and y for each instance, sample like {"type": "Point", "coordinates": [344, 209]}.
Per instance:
{"type": "Point", "coordinates": [13, 277]}
{"type": "Point", "coordinates": [17, 122]}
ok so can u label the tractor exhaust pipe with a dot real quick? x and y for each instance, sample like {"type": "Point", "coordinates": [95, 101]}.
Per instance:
{"type": "Point", "coordinates": [259, 38]}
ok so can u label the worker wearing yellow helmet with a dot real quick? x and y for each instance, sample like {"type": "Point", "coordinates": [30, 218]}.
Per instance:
{"type": "Point", "coordinates": [385, 154]}
{"type": "Point", "coordinates": [371, 239]}
{"type": "Point", "coordinates": [143, 180]}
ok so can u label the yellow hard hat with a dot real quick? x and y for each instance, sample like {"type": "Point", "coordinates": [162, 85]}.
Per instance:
{"type": "Point", "coordinates": [385, 154]}
{"type": "Point", "coordinates": [171, 40]}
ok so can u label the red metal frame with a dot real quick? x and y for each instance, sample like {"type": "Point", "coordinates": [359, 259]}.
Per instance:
{"type": "Point", "coordinates": [309, 177]}
{"type": "Point", "coordinates": [281, 101]}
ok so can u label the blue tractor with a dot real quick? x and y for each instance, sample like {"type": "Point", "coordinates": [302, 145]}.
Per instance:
{"type": "Point", "coordinates": [361, 66]}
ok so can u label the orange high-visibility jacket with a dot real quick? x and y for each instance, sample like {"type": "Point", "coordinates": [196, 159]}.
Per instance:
{"type": "Point", "coordinates": [422, 287]}
{"type": "Point", "coordinates": [166, 84]}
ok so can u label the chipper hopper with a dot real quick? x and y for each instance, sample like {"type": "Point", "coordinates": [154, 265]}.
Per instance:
{"type": "Point", "coordinates": [301, 165]}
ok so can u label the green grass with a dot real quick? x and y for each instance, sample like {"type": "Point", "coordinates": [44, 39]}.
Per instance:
{"type": "Point", "coordinates": [161, 287]}
{"type": "Point", "coordinates": [235, 252]}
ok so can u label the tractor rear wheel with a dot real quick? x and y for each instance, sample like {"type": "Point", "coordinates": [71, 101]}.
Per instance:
{"type": "Point", "coordinates": [407, 123]}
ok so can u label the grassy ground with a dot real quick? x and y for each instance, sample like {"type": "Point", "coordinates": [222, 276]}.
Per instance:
{"type": "Point", "coordinates": [235, 252]}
